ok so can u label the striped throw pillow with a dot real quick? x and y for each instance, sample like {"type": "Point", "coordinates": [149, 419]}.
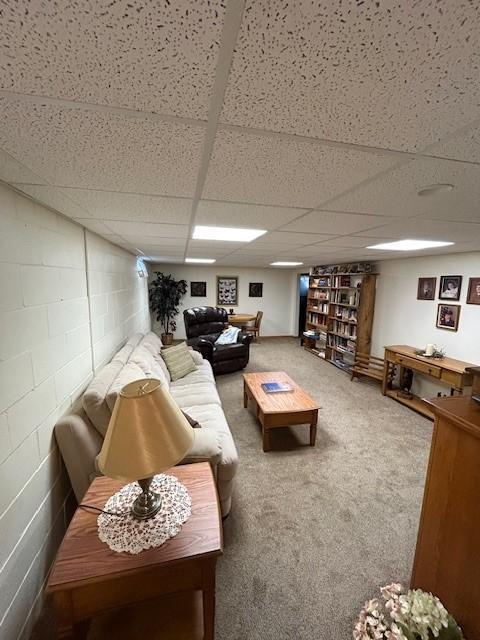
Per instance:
{"type": "Point", "coordinates": [179, 360]}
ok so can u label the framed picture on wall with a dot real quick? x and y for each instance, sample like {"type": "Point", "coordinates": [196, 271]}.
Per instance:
{"type": "Point", "coordinates": [198, 289]}
{"type": "Point", "coordinates": [426, 288]}
{"type": "Point", "coordinates": [450, 287]}
{"type": "Point", "coordinates": [227, 290]}
{"type": "Point", "coordinates": [255, 289]}
{"type": "Point", "coordinates": [448, 316]}
{"type": "Point", "coordinates": [473, 295]}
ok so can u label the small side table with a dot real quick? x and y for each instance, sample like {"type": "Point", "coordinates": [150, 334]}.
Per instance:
{"type": "Point", "coordinates": [89, 579]}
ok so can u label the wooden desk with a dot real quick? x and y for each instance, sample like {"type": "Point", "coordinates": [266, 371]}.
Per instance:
{"type": "Point", "coordinates": [89, 579]}
{"type": "Point", "coordinates": [447, 371]}
{"type": "Point", "coordinates": [447, 556]}
{"type": "Point", "coordinates": [241, 318]}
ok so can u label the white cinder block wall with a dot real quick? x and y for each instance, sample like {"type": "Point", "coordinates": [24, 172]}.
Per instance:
{"type": "Point", "coordinates": [118, 298]}
{"type": "Point", "coordinates": [46, 360]}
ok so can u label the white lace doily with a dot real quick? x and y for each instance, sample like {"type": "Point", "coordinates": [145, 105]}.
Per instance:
{"type": "Point", "coordinates": [126, 533]}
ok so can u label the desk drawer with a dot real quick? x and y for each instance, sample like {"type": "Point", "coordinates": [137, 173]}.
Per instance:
{"type": "Point", "coordinates": [418, 365]}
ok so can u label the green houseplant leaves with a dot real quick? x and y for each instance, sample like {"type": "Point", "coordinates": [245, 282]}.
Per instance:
{"type": "Point", "coordinates": [164, 295]}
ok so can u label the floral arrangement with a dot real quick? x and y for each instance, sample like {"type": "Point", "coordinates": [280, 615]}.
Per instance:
{"type": "Point", "coordinates": [410, 614]}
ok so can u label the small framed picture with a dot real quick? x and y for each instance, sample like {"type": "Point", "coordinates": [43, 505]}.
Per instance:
{"type": "Point", "coordinates": [426, 288]}
{"type": "Point", "coordinates": [450, 287]}
{"type": "Point", "coordinates": [255, 289]}
{"type": "Point", "coordinates": [448, 316]}
{"type": "Point", "coordinates": [227, 290]}
{"type": "Point", "coordinates": [473, 295]}
{"type": "Point", "coordinates": [198, 289]}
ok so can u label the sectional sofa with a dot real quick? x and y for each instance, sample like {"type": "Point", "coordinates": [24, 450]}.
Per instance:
{"type": "Point", "coordinates": [80, 434]}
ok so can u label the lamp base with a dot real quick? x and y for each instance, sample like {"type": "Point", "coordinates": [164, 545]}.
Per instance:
{"type": "Point", "coordinates": [148, 502]}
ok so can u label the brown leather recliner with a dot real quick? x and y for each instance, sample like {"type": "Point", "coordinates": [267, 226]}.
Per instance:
{"type": "Point", "coordinates": [203, 325]}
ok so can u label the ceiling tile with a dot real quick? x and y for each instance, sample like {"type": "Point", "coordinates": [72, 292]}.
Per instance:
{"type": "Point", "coordinates": [257, 248]}
{"type": "Point", "coordinates": [351, 242]}
{"type": "Point", "coordinates": [54, 198]}
{"type": "Point", "coordinates": [96, 226]}
{"type": "Point", "coordinates": [158, 250]}
{"type": "Point", "coordinates": [13, 171]}
{"type": "Point", "coordinates": [151, 56]}
{"type": "Point", "coordinates": [269, 170]}
{"type": "Point", "coordinates": [336, 223]}
{"type": "Point", "coordinates": [215, 245]}
{"type": "Point", "coordinates": [77, 148]}
{"type": "Point", "coordinates": [396, 193]}
{"type": "Point", "coordinates": [153, 241]}
{"type": "Point", "coordinates": [289, 237]}
{"type": "Point", "coordinates": [375, 64]}
{"type": "Point", "coordinates": [160, 259]}
{"type": "Point", "coordinates": [464, 145]}
{"type": "Point", "coordinates": [148, 229]}
{"type": "Point", "coordinates": [212, 212]}
{"type": "Point", "coordinates": [420, 228]}
{"type": "Point", "coordinates": [107, 205]}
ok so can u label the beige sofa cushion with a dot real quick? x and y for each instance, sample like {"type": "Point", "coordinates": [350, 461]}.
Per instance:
{"type": "Point", "coordinates": [196, 355]}
{"type": "Point", "coordinates": [194, 394]}
{"type": "Point", "coordinates": [124, 353]}
{"type": "Point", "coordinates": [94, 398]}
{"type": "Point", "coordinates": [149, 365]}
{"type": "Point", "coordinates": [203, 373]}
{"type": "Point", "coordinates": [129, 373]}
{"type": "Point", "coordinates": [161, 363]}
{"type": "Point", "coordinates": [152, 342]}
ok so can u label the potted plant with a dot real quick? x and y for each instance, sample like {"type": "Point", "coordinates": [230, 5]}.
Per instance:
{"type": "Point", "coordinates": [164, 295]}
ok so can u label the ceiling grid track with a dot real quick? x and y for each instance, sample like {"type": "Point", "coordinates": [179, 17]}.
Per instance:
{"type": "Point", "coordinates": [231, 28]}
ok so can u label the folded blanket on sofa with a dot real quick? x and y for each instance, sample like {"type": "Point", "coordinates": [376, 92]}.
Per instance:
{"type": "Point", "coordinates": [228, 336]}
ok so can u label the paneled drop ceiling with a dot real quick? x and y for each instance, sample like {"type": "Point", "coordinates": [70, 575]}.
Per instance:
{"type": "Point", "coordinates": [318, 121]}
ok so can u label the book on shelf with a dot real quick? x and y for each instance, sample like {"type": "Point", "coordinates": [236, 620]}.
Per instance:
{"type": "Point", "coordinates": [276, 387]}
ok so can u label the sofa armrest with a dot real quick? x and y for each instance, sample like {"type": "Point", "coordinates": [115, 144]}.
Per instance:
{"type": "Point", "coordinates": [206, 447]}
{"type": "Point", "coordinates": [205, 347]}
{"type": "Point", "coordinates": [79, 443]}
{"type": "Point", "coordinates": [244, 338]}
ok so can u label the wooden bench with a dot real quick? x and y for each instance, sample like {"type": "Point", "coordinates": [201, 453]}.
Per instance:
{"type": "Point", "coordinates": [367, 365]}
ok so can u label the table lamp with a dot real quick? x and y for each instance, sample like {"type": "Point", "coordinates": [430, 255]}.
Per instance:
{"type": "Point", "coordinates": [147, 434]}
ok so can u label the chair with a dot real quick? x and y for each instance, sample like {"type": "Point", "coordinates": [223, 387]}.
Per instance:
{"type": "Point", "coordinates": [255, 327]}
{"type": "Point", "coordinates": [203, 325]}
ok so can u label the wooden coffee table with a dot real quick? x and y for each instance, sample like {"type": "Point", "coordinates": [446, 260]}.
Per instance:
{"type": "Point", "coordinates": [279, 409]}
{"type": "Point", "coordinates": [88, 579]}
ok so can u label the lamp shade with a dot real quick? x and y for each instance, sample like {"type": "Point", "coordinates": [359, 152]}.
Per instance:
{"type": "Point", "coordinates": [147, 433]}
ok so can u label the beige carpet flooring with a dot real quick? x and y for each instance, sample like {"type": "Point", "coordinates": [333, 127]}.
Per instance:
{"type": "Point", "coordinates": [315, 531]}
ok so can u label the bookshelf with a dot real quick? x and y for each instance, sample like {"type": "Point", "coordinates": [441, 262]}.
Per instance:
{"type": "Point", "coordinates": [340, 306]}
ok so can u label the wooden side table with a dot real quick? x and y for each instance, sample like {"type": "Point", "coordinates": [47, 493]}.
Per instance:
{"type": "Point", "coordinates": [89, 579]}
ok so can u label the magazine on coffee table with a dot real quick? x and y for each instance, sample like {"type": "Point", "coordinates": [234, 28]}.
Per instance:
{"type": "Point", "coordinates": [276, 387]}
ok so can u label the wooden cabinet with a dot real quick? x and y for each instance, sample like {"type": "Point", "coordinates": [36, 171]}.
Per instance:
{"type": "Point", "coordinates": [447, 557]}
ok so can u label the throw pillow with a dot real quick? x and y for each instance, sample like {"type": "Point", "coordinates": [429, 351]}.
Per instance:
{"type": "Point", "coordinates": [179, 361]}
{"type": "Point", "coordinates": [191, 421]}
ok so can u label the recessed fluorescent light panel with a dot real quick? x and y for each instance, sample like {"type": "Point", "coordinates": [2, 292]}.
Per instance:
{"type": "Point", "coordinates": [200, 260]}
{"type": "Point", "coordinates": [410, 245]}
{"type": "Point", "coordinates": [227, 234]}
{"type": "Point", "coordinates": [286, 264]}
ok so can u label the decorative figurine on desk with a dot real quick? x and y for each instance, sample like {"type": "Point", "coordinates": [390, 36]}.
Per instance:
{"type": "Point", "coordinates": [406, 381]}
